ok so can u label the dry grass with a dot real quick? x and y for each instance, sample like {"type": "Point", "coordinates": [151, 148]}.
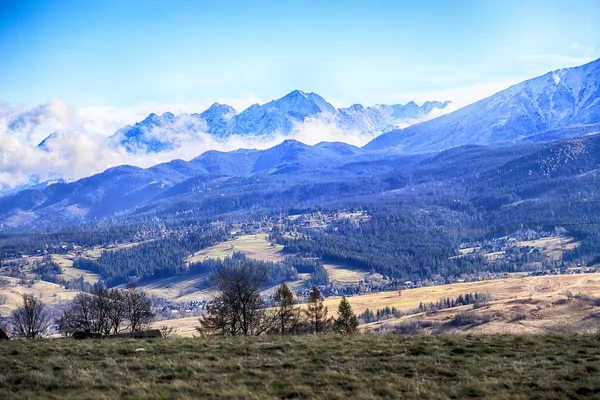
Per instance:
{"type": "Point", "coordinates": [178, 288]}
{"type": "Point", "coordinates": [547, 288]}
{"type": "Point", "coordinates": [325, 367]}
{"type": "Point", "coordinates": [534, 305]}
{"type": "Point", "coordinates": [254, 246]}
{"type": "Point", "coordinates": [342, 275]}
{"type": "Point", "coordinates": [68, 272]}
{"type": "Point", "coordinates": [553, 247]}
{"type": "Point", "coordinates": [499, 289]}
{"type": "Point", "coordinates": [49, 293]}
{"type": "Point", "coordinates": [186, 327]}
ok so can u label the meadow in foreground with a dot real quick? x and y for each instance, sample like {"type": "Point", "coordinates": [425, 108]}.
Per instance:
{"type": "Point", "coordinates": [361, 366]}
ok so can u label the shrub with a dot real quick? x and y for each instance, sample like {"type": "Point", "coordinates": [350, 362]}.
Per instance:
{"type": "Point", "coordinates": [519, 317]}
{"type": "Point", "coordinates": [465, 318]}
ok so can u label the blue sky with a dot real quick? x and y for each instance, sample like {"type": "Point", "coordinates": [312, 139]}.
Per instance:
{"type": "Point", "coordinates": [123, 53]}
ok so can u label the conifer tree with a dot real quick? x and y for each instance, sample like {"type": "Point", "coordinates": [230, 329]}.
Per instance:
{"type": "Point", "coordinates": [287, 314]}
{"type": "Point", "coordinates": [346, 322]}
{"type": "Point", "coordinates": [316, 311]}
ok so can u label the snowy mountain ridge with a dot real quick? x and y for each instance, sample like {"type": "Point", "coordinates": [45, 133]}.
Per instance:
{"type": "Point", "coordinates": [559, 99]}
{"type": "Point", "coordinates": [277, 117]}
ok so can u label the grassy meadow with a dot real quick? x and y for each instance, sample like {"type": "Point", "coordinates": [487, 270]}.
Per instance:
{"type": "Point", "coordinates": [328, 367]}
{"type": "Point", "coordinates": [254, 246]}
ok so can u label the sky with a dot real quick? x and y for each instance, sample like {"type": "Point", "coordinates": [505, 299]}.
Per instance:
{"type": "Point", "coordinates": [126, 53]}
{"type": "Point", "coordinates": [93, 66]}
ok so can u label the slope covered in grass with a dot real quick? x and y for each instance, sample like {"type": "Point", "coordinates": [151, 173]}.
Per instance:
{"type": "Point", "coordinates": [334, 367]}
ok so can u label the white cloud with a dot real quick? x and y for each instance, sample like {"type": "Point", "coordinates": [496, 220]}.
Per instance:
{"type": "Point", "coordinates": [106, 120]}
{"type": "Point", "coordinates": [461, 96]}
{"type": "Point", "coordinates": [40, 121]}
{"type": "Point", "coordinates": [564, 61]}
{"type": "Point", "coordinates": [79, 147]}
{"type": "Point", "coordinates": [316, 130]}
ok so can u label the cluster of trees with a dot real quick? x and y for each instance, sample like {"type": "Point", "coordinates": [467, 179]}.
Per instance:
{"type": "Point", "coordinates": [393, 242]}
{"type": "Point", "coordinates": [379, 314]}
{"type": "Point", "coordinates": [101, 312]}
{"type": "Point", "coordinates": [238, 309]}
{"type": "Point", "coordinates": [154, 259]}
{"type": "Point", "coordinates": [312, 266]}
{"type": "Point", "coordinates": [107, 312]}
{"type": "Point", "coordinates": [477, 299]}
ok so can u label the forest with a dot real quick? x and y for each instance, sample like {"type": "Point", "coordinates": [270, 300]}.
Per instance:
{"type": "Point", "coordinates": [422, 209]}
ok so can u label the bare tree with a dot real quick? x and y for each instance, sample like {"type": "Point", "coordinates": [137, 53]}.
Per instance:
{"type": "Point", "coordinates": [218, 320]}
{"type": "Point", "coordinates": [139, 309]}
{"type": "Point", "coordinates": [237, 308]}
{"type": "Point", "coordinates": [101, 309]}
{"type": "Point", "coordinates": [80, 316]}
{"type": "Point", "coordinates": [106, 312]}
{"type": "Point", "coordinates": [117, 312]}
{"type": "Point", "coordinates": [31, 319]}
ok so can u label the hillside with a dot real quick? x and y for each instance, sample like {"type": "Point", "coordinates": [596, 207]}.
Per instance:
{"type": "Point", "coordinates": [286, 175]}
{"type": "Point", "coordinates": [509, 297]}
{"type": "Point", "coordinates": [364, 366]}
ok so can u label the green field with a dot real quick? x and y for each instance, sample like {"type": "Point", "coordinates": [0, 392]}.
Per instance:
{"type": "Point", "coordinates": [330, 367]}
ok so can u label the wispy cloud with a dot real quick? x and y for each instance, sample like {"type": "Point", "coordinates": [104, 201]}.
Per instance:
{"type": "Point", "coordinates": [79, 147]}
{"type": "Point", "coordinates": [105, 120]}
{"type": "Point", "coordinates": [462, 95]}
{"type": "Point", "coordinates": [563, 60]}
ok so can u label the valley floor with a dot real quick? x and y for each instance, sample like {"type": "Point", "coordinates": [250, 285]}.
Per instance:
{"type": "Point", "coordinates": [330, 367]}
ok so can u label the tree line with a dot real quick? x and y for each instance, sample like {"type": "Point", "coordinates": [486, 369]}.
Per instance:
{"type": "Point", "coordinates": [239, 310]}
{"type": "Point", "coordinates": [379, 314]}
{"type": "Point", "coordinates": [154, 259]}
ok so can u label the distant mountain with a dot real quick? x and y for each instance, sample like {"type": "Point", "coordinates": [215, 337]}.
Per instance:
{"type": "Point", "coordinates": [157, 133]}
{"type": "Point", "coordinates": [293, 174]}
{"type": "Point", "coordinates": [124, 188]}
{"type": "Point", "coordinates": [281, 116]}
{"type": "Point", "coordinates": [217, 118]}
{"type": "Point", "coordinates": [560, 99]}
{"type": "Point", "coordinates": [382, 118]}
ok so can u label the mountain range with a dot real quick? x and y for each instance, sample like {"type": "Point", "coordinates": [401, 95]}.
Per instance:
{"type": "Point", "coordinates": [534, 137]}
{"type": "Point", "coordinates": [166, 132]}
